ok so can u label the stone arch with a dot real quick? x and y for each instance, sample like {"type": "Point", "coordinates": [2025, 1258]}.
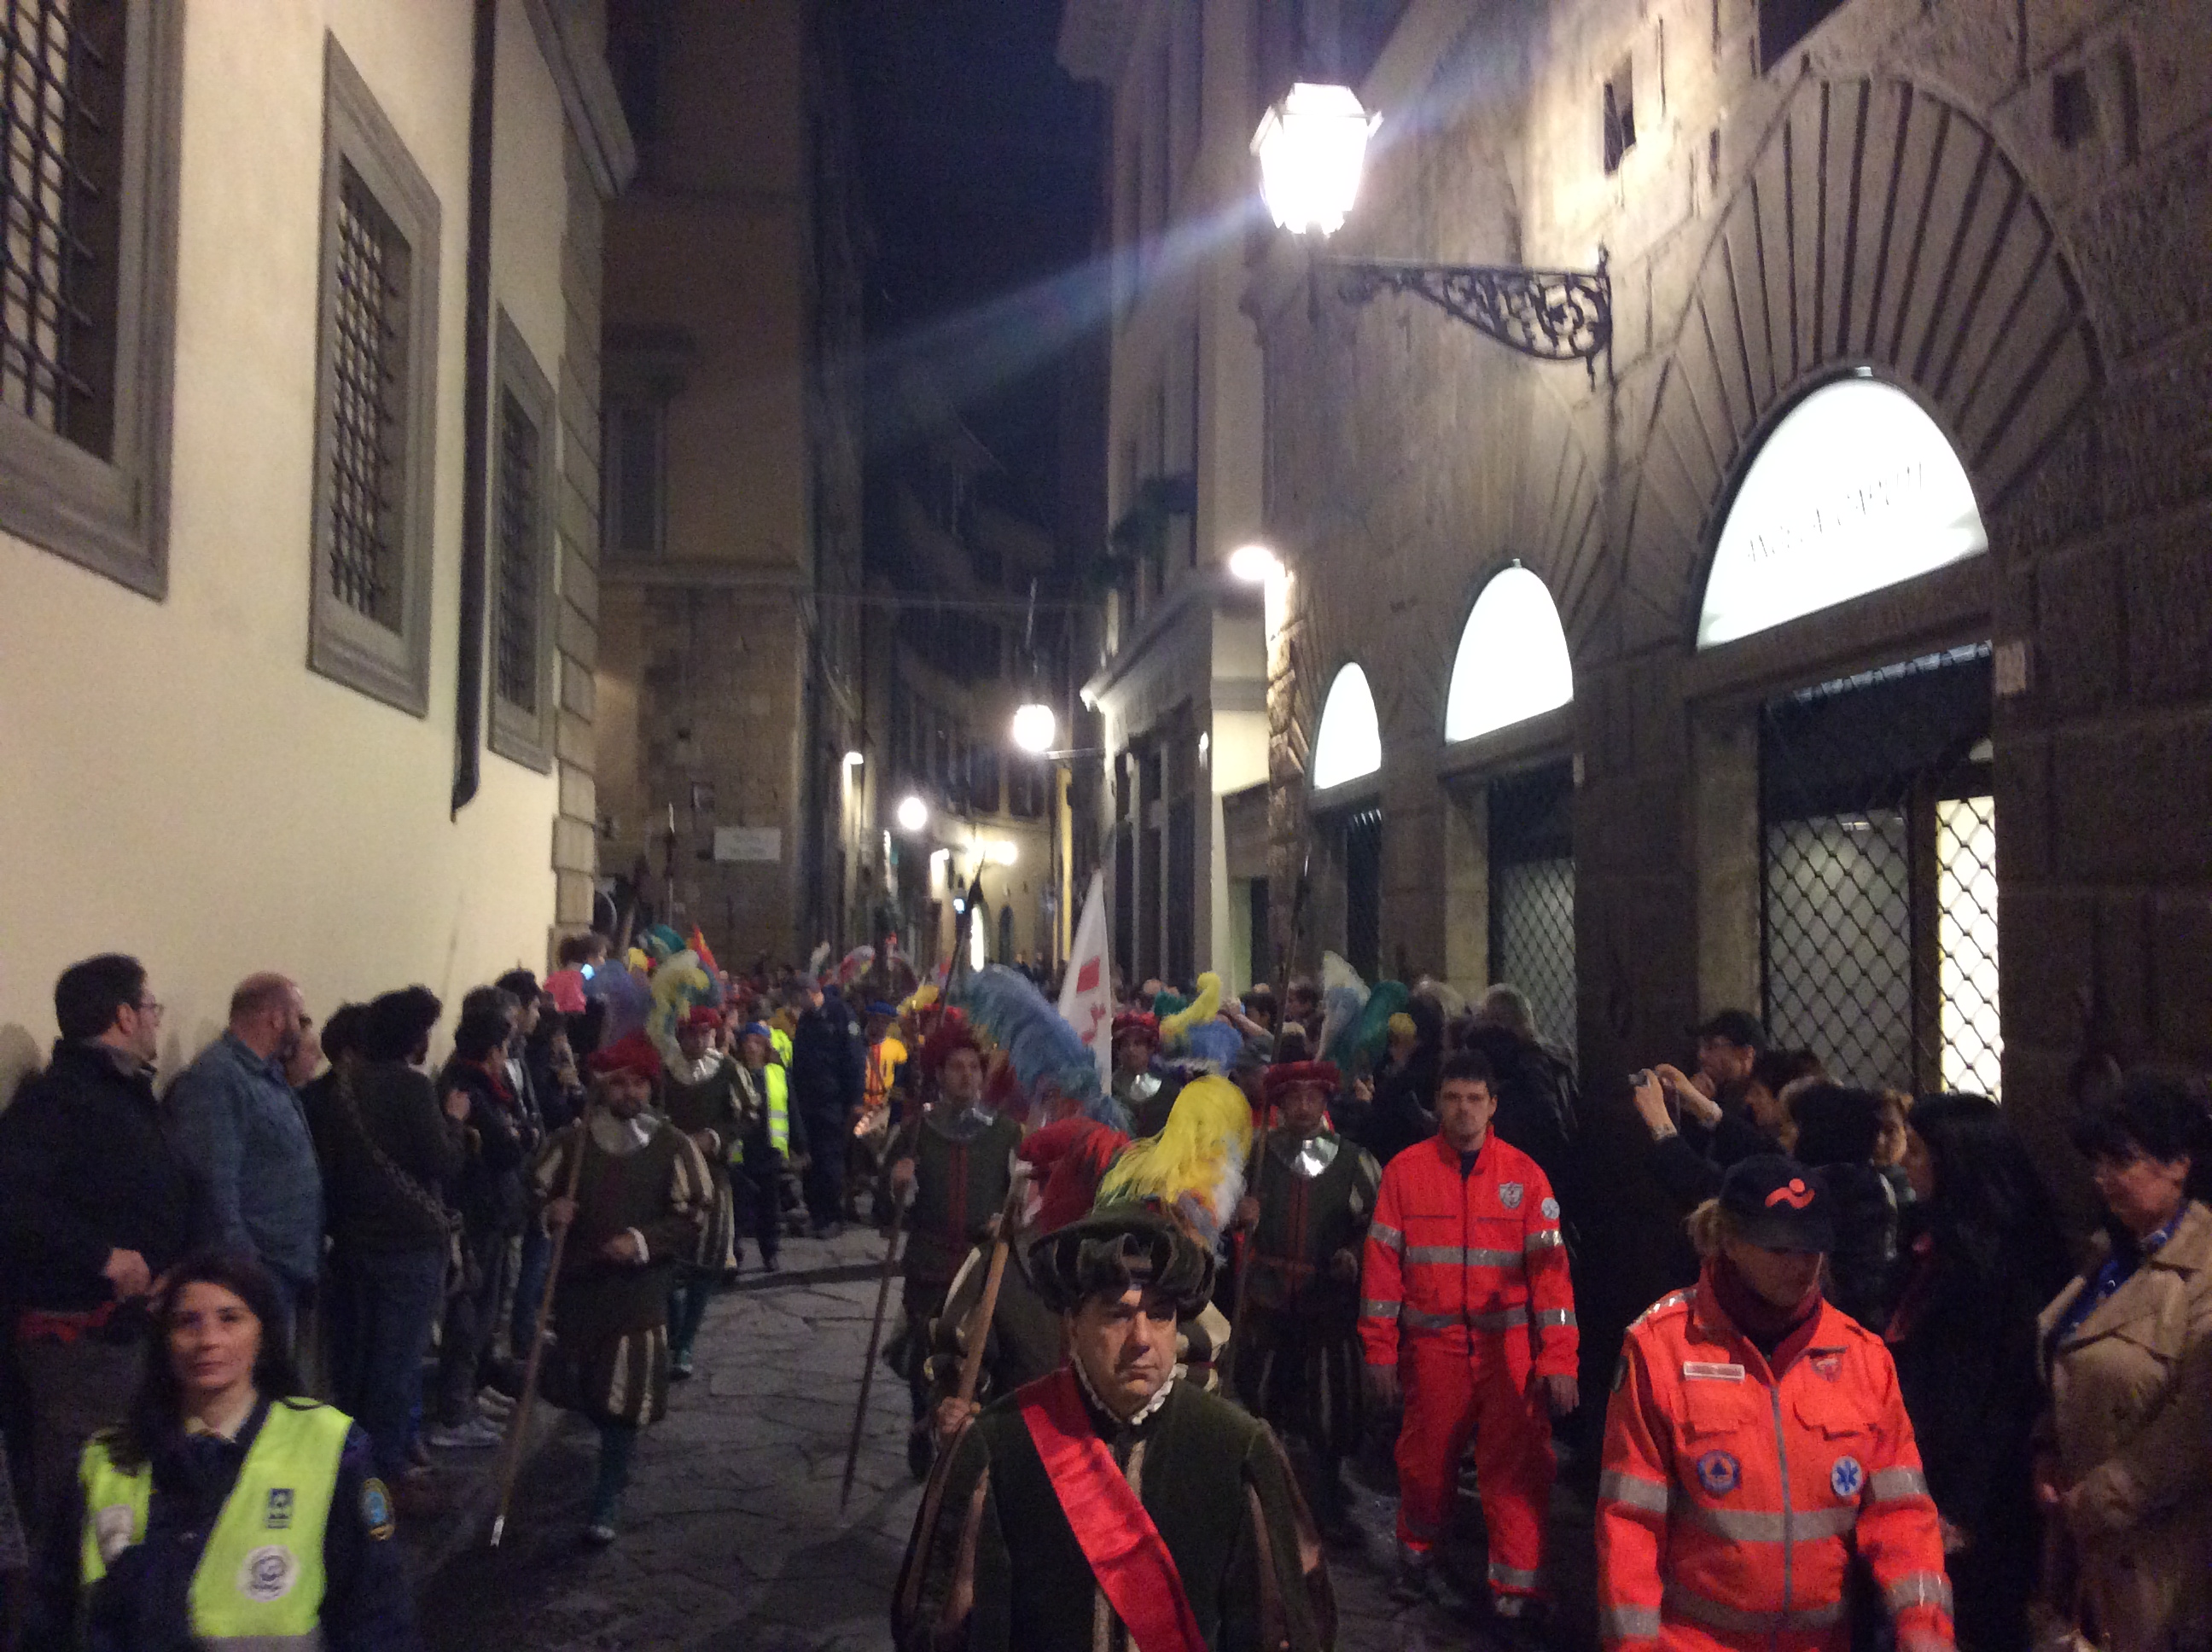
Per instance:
{"type": "Point", "coordinates": [1879, 224]}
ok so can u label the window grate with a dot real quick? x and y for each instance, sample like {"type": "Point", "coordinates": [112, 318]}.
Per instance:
{"type": "Point", "coordinates": [1839, 943]}
{"type": "Point", "coordinates": [1363, 893]}
{"type": "Point", "coordinates": [367, 355]}
{"type": "Point", "coordinates": [1532, 940]}
{"type": "Point", "coordinates": [60, 156]}
{"type": "Point", "coordinates": [515, 640]}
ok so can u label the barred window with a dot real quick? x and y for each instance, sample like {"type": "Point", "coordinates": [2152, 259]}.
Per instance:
{"type": "Point", "coordinates": [522, 550]}
{"type": "Point", "coordinates": [89, 92]}
{"type": "Point", "coordinates": [375, 456]}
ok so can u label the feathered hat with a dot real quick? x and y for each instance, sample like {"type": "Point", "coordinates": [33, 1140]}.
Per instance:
{"type": "Point", "coordinates": [1048, 1056]}
{"type": "Point", "coordinates": [1196, 1166]}
{"type": "Point", "coordinates": [951, 1033]}
{"type": "Point", "coordinates": [1137, 1021]}
{"type": "Point", "coordinates": [1281, 1078]}
{"type": "Point", "coordinates": [1068, 1160]}
{"type": "Point", "coordinates": [633, 1053]}
{"type": "Point", "coordinates": [1176, 1028]}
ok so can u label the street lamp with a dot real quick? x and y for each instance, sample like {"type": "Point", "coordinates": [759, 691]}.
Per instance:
{"type": "Point", "coordinates": [1252, 564]}
{"type": "Point", "coordinates": [1035, 727]}
{"type": "Point", "coordinates": [854, 759]}
{"type": "Point", "coordinates": [1312, 147]}
{"type": "Point", "coordinates": [912, 813]}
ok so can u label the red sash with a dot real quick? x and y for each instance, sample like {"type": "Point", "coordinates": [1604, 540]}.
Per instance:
{"type": "Point", "coordinates": [1117, 1537]}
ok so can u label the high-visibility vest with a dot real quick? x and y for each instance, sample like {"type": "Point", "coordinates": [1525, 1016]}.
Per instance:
{"type": "Point", "coordinates": [777, 1083]}
{"type": "Point", "coordinates": [259, 1582]}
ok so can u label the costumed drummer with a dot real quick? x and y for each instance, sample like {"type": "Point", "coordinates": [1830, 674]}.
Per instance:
{"type": "Point", "coordinates": [1111, 1504]}
{"type": "Point", "coordinates": [951, 1169]}
{"type": "Point", "coordinates": [641, 1197]}
{"type": "Point", "coordinates": [1312, 1195]}
{"type": "Point", "coordinates": [223, 1511]}
{"type": "Point", "coordinates": [1756, 1442]}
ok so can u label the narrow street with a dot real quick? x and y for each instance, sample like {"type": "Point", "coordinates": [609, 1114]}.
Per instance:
{"type": "Point", "coordinates": [732, 1539]}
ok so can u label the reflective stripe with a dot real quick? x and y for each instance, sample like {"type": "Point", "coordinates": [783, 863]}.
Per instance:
{"type": "Point", "coordinates": [1510, 1577]}
{"type": "Point", "coordinates": [1753, 1526]}
{"type": "Point", "coordinates": [1453, 1256]}
{"type": "Point", "coordinates": [1504, 1320]}
{"type": "Point", "coordinates": [1919, 1589]}
{"type": "Point", "coordinates": [1894, 1485]}
{"type": "Point", "coordinates": [1547, 1237]}
{"type": "Point", "coordinates": [310, 1641]}
{"type": "Point", "coordinates": [1420, 1321]}
{"type": "Point", "coordinates": [1679, 1602]}
{"type": "Point", "coordinates": [1386, 1236]}
{"type": "Point", "coordinates": [1629, 1623]}
{"type": "Point", "coordinates": [1653, 1496]}
{"type": "Point", "coordinates": [1555, 1316]}
{"type": "Point", "coordinates": [1372, 1309]}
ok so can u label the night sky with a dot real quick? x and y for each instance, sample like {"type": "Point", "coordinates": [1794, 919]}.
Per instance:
{"type": "Point", "coordinates": [980, 164]}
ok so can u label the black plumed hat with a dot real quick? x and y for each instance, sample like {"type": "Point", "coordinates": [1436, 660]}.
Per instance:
{"type": "Point", "coordinates": [1103, 1254]}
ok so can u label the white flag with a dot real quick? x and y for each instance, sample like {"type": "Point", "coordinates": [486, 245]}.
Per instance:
{"type": "Point", "coordinates": [1087, 997]}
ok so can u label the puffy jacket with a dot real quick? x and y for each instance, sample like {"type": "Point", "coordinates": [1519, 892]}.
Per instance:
{"type": "Point", "coordinates": [1732, 1499]}
{"type": "Point", "coordinates": [1458, 1255]}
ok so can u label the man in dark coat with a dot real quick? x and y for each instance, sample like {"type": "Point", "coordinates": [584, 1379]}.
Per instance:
{"type": "Point", "coordinates": [97, 1201]}
{"type": "Point", "coordinates": [828, 1081]}
{"type": "Point", "coordinates": [1110, 1504]}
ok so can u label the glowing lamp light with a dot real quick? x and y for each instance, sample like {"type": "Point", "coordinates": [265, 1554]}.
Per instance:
{"type": "Point", "coordinates": [1035, 727]}
{"type": "Point", "coordinates": [1002, 853]}
{"type": "Point", "coordinates": [1312, 147]}
{"type": "Point", "coordinates": [912, 813]}
{"type": "Point", "coordinates": [1252, 564]}
{"type": "Point", "coordinates": [977, 954]}
{"type": "Point", "coordinates": [854, 759]}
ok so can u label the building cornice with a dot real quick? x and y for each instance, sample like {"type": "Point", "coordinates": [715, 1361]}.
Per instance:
{"type": "Point", "coordinates": [578, 61]}
{"type": "Point", "coordinates": [1210, 593]}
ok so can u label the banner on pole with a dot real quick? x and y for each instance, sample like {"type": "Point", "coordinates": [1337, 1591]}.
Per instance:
{"type": "Point", "coordinates": [1087, 997]}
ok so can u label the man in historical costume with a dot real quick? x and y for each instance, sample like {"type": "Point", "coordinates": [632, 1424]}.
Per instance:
{"type": "Point", "coordinates": [641, 1197]}
{"type": "Point", "coordinates": [1110, 1504]}
{"type": "Point", "coordinates": [1298, 1356]}
{"type": "Point", "coordinates": [951, 1169]}
{"type": "Point", "coordinates": [703, 1096]}
{"type": "Point", "coordinates": [1138, 1084]}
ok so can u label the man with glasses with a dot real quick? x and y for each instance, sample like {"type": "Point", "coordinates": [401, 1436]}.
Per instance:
{"type": "Point", "coordinates": [96, 1203]}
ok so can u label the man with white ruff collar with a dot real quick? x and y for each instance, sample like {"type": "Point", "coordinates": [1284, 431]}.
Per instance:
{"type": "Point", "coordinates": [1110, 1504]}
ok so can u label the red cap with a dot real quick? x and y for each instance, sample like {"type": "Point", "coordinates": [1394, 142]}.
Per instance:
{"type": "Point", "coordinates": [703, 1019]}
{"type": "Point", "coordinates": [1283, 1076]}
{"type": "Point", "coordinates": [1135, 1020]}
{"type": "Point", "coordinates": [633, 1053]}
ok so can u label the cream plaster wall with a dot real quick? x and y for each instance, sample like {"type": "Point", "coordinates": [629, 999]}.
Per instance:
{"type": "Point", "coordinates": [176, 784]}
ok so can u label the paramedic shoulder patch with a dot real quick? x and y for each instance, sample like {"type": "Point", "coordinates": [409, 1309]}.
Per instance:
{"type": "Point", "coordinates": [376, 1510]}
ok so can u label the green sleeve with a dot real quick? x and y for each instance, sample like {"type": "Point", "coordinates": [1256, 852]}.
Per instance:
{"type": "Point", "coordinates": [943, 1567]}
{"type": "Point", "coordinates": [1277, 1592]}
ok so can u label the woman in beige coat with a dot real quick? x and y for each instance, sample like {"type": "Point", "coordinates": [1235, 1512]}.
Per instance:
{"type": "Point", "coordinates": [2126, 1477]}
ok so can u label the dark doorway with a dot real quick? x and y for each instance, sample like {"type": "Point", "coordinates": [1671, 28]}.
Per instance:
{"type": "Point", "coordinates": [1363, 892]}
{"type": "Point", "coordinates": [1532, 893]}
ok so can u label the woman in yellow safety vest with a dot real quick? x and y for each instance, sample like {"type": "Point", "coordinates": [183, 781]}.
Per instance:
{"type": "Point", "coordinates": [223, 1513]}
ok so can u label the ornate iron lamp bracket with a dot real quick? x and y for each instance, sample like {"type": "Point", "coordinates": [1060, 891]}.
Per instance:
{"type": "Point", "coordinates": [1554, 315]}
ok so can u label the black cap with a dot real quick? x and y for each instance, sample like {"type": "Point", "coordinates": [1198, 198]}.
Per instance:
{"type": "Point", "coordinates": [1737, 1026]}
{"type": "Point", "coordinates": [1117, 1246]}
{"type": "Point", "coordinates": [1778, 1204]}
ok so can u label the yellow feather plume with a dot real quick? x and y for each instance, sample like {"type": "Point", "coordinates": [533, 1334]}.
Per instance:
{"type": "Point", "coordinates": [1199, 1155]}
{"type": "Point", "coordinates": [1204, 1007]}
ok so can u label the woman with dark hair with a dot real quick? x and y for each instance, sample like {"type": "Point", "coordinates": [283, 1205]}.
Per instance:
{"type": "Point", "coordinates": [1834, 1129]}
{"type": "Point", "coordinates": [223, 1510]}
{"type": "Point", "coordinates": [2125, 1459]}
{"type": "Point", "coordinates": [1982, 1251]}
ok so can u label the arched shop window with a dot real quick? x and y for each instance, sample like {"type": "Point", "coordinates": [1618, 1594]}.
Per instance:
{"type": "Point", "coordinates": [1512, 662]}
{"type": "Point", "coordinates": [1349, 745]}
{"type": "Point", "coordinates": [1855, 489]}
{"type": "Point", "coordinates": [1877, 819]}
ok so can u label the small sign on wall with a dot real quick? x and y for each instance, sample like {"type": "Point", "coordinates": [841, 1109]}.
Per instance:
{"type": "Point", "coordinates": [749, 844]}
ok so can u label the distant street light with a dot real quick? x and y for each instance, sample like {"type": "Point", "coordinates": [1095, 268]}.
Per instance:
{"type": "Point", "coordinates": [912, 813]}
{"type": "Point", "coordinates": [1252, 563]}
{"type": "Point", "coordinates": [1001, 852]}
{"type": "Point", "coordinates": [1034, 728]}
{"type": "Point", "coordinates": [1312, 147]}
{"type": "Point", "coordinates": [854, 759]}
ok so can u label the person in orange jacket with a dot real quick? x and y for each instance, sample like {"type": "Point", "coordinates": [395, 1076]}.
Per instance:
{"type": "Point", "coordinates": [1756, 1440]}
{"type": "Point", "coordinates": [1466, 1306]}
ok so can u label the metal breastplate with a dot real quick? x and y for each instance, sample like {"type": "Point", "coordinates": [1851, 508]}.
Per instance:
{"type": "Point", "coordinates": [1310, 1158]}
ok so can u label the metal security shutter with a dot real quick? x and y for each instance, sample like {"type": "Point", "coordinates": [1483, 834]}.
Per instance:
{"type": "Point", "coordinates": [1879, 883]}
{"type": "Point", "coordinates": [1363, 892]}
{"type": "Point", "coordinates": [1531, 893]}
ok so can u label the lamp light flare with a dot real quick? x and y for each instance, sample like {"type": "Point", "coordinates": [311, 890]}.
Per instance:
{"type": "Point", "coordinates": [1001, 852]}
{"type": "Point", "coordinates": [1312, 148]}
{"type": "Point", "coordinates": [912, 813]}
{"type": "Point", "coordinates": [854, 759]}
{"type": "Point", "coordinates": [1252, 563]}
{"type": "Point", "coordinates": [1034, 728]}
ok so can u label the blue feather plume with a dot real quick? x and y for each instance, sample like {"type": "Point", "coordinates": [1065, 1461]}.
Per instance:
{"type": "Point", "coordinates": [1005, 1007]}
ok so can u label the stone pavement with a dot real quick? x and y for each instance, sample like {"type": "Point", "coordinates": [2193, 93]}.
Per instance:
{"type": "Point", "coordinates": [731, 1537]}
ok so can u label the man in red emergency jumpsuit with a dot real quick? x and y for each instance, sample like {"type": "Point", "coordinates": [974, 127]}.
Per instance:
{"type": "Point", "coordinates": [1756, 1442]}
{"type": "Point", "coordinates": [1466, 1306]}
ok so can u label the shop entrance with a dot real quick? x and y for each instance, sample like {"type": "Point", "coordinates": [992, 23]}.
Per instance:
{"type": "Point", "coordinates": [1879, 912]}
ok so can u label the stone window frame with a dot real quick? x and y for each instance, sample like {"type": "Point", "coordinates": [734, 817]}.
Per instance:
{"type": "Point", "coordinates": [348, 647]}
{"type": "Point", "coordinates": [523, 734]}
{"type": "Point", "coordinates": [112, 515]}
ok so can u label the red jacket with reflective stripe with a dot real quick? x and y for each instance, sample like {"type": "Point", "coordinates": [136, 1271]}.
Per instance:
{"type": "Point", "coordinates": [1731, 1500]}
{"type": "Point", "coordinates": [1458, 1256]}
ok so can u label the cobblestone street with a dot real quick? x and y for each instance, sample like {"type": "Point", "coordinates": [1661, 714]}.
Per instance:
{"type": "Point", "coordinates": [731, 1535]}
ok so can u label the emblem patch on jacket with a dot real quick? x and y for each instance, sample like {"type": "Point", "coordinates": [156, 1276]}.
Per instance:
{"type": "Point", "coordinates": [1846, 1477]}
{"type": "Point", "coordinates": [1509, 1194]}
{"type": "Point", "coordinates": [1550, 1207]}
{"type": "Point", "coordinates": [376, 1510]}
{"type": "Point", "coordinates": [268, 1574]}
{"type": "Point", "coordinates": [279, 1517]}
{"type": "Point", "coordinates": [1719, 1473]}
{"type": "Point", "coordinates": [1830, 1366]}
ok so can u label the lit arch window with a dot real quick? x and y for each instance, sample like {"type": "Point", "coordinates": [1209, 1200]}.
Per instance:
{"type": "Point", "coordinates": [1857, 488]}
{"type": "Point", "coordinates": [1512, 662]}
{"type": "Point", "coordinates": [1350, 743]}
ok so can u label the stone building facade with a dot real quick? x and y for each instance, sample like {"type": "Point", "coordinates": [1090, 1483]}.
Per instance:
{"type": "Point", "coordinates": [1949, 830]}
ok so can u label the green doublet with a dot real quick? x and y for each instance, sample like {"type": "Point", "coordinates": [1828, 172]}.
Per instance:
{"type": "Point", "coordinates": [960, 1182]}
